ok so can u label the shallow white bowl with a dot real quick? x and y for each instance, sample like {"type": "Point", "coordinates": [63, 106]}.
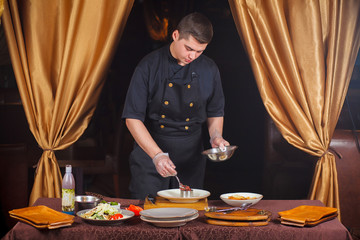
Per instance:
{"type": "Point", "coordinates": [238, 203]}
{"type": "Point", "coordinates": [174, 195]}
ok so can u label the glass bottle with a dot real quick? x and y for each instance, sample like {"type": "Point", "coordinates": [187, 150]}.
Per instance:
{"type": "Point", "coordinates": [68, 192]}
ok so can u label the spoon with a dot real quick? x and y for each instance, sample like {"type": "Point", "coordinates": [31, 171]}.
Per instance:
{"type": "Point", "coordinates": [243, 207]}
{"type": "Point", "coordinates": [182, 187]}
{"type": "Point", "coordinates": [180, 184]}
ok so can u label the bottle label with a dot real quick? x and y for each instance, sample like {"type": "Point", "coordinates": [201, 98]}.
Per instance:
{"type": "Point", "coordinates": [68, 200]}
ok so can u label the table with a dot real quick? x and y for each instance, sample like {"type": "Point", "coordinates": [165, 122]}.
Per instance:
{"type": "Point", "coordinates": [135, 228]}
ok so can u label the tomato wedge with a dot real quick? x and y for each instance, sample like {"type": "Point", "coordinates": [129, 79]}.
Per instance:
{"type": "Point", "coordinates": [135, 209]}
{"type": "Point", "coordinates": [116, 216]}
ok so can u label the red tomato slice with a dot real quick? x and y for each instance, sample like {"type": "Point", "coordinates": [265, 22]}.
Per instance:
{"type": "Point", "coordinates": [135, 209]}
{"type": "Point", "coordinates": [116, 216]}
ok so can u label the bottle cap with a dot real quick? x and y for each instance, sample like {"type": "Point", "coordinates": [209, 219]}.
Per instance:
{"type": "Point", "coordinates": [68, 168]}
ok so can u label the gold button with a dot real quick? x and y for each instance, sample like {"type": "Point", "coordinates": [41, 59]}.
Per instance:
{"type": "Point", "coordinates": [166, 102]}
{"type": "Point", "coordinates": [170, 84]}
{"type": "Point", "coordinates": [188, 119]}
{"type": "Point", "coordinates": [163, 116]}
{"type": "Point", "coordinates": [189, 86]}
{"type": "Point", "coordinates": [186, 128]}
{"type": "Point", "coordinates": [191, 104]}
{"type": "Point", "coordinates": [162, 126]}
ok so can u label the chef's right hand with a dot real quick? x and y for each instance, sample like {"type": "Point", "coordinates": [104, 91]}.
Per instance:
{"type": "Point", "coordinates": [164, 166]}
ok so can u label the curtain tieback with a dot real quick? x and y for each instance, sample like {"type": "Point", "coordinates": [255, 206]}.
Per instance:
{"type": "Point", "coordinates": [48, 149]}
{"type": "Point", "coordinates": [45, 149]}
{"type": "Point", "coordinates": [332, 150]}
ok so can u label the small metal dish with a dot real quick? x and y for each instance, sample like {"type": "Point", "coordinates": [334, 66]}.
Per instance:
{"type": "Point", "coordinates": [86, 202]}
{"type": "Point", "coordinates": [217, 155]}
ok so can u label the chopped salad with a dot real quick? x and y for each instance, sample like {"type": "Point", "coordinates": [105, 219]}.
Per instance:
{"type": "Point", "coordinates": [103, 211]}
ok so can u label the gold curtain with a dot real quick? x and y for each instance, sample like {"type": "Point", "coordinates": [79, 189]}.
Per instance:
{"type": "Point", "coordinates": [302, 54]}
{"type": "Point", "coordinates": [1, 8]}
{"type": "Point", "coordinates": [60, 51]}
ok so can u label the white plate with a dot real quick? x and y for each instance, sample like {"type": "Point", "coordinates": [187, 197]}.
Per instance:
{"type": "Point", "coordinates": [127, 214]}
{"type": "Point", "coordinates": [170, 223]}
{"type": "Point", "coordinates": [174, 195]}
{"type": "Point", "coordinates": [237, 203]}
{"type": "Point", "coordinates": [168, 213]}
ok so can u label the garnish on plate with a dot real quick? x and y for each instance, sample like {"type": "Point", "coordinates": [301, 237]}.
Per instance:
{"type": "Point", "coordinates": [103, 211]}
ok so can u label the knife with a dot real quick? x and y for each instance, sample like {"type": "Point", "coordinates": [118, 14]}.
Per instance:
{"type": "Point", "coordinates": [151, 198]}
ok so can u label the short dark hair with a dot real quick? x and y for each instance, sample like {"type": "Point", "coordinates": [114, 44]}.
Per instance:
{"type": "Point", "coordinates": [196, 25]}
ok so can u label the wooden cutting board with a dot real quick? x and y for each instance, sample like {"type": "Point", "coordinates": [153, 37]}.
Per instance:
{"type": "Point", "coordinates": [236, 223]}
{"type": "Point", "coordinates": [251, 214]}
{"type": "Point", "coordinates": [161, 202]}
{"type": "Point", "coordinates": [249, 217]}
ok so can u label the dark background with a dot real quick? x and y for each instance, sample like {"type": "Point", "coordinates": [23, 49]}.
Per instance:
{"type": "Point", "coordinates": [244, 111]}
{"type": "Point", "coordinates": [263, 163]}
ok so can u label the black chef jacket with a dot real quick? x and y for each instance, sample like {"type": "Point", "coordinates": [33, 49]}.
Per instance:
{"type": "Point", "coordinates": [173, 101]}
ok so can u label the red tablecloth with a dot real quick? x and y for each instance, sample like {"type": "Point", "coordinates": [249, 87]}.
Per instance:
{"type": "Point", "coordinates": [135, 228]}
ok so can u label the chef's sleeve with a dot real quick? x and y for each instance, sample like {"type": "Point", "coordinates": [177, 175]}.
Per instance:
{"type": "Point", "coordinates": [136, 97]}
{"type": "Point", "coordinates": [216, 102]}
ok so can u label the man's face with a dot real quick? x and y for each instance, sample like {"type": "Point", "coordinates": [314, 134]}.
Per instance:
{"type": "Point", "coordinates": [186, 50]}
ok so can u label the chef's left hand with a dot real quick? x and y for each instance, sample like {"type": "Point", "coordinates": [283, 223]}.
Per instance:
{"type": "Point", "coordinates": [219, 142]}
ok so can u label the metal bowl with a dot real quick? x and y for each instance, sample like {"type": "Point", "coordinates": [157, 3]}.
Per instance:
{"type": "Point", "coordinates": [86, 202]}
{"type": "Point", "coordinates": [216, 155]}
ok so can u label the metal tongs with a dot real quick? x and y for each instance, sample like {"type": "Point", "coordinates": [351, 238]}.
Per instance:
{"type": "Point", "coordinates": [243, 207]}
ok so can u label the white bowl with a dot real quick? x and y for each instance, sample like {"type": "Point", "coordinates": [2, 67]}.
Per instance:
{"type": "Point", "coordinates": [255, 198]}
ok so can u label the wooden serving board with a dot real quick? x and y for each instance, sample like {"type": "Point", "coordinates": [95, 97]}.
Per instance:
{"type": "Point", "coordinates": [251, 214]}
{"type": "Point", "coordinates": [236, 223]}
{"type": "Point", "coordinates": [246, 218]}
{"type": "Point", "coordinates": [161, 202]}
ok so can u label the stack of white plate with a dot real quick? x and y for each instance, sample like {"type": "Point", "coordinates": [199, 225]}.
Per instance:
{"type": "Point", "coordinates": [169, 217]}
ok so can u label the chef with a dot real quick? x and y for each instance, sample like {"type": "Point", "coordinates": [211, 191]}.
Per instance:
{"type": "Point", "coordinates": [173, 92]}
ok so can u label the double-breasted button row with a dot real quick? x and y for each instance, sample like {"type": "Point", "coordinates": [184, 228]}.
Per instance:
{"type": "Point", "coordinates": [166, 102]}
{"type": "Point", "coordinates": [171, 85]}
{"type": "Point", "coordinates": [186, 127]}
{"type": "Point", "coordinates": [163, 116]}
